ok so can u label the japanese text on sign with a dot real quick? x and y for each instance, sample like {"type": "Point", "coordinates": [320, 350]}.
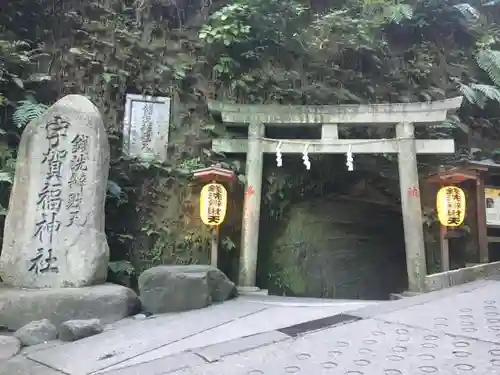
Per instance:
{"type": "Point", "coordinates": [450, 204]}
{"type": "Point", "coordinates": [49, 198]}
{"type": "Point", "coordinates": [147, 126]}
{"type": "Point", "coordinates": [78, 178]}
{"type": "Point", "coordinates": [213, 204]}
{"type": "Point", "coordinates": [492, 203]}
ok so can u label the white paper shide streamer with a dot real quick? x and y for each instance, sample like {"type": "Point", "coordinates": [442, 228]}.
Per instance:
{"type": "Point", "coordinates": [279, 159]}
{"type": "Point", "coordinates": [305, 157]}
{"type": "Point", "coordinates": [349, 159]}
{"type": "Point", "coordinates": [305, 154]}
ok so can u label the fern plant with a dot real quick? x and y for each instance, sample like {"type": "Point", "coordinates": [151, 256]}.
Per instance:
{"type": "Point", "coordinates": [479, 94]}
{"type": "Point", "coordinates": [7, 170]}
{"type": "Point", "coordinates": [387, 11]}
{"type": "Point", "coordinates": [27, 111]}
{"type": "Point", "coordinates": [489, 61]}
{"type": "Point", "coordinates": [398, 13]}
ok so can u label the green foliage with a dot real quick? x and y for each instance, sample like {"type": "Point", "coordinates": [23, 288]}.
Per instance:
{"type": "Point", "coordinates": [18, 63]}
{"type": "Point", "coordinates": [479, 93]}
{"type": "Point", "coordinates": [489, 61]}
{"type": "Point", "coordinates": [357, 34]}
{"type": "Point", "coordinates": [123, 273]}
{"type": "Point", "coordinates": [255, 21]}
{"type": "Point", "coordinates": [7, 169]}
{"type": "Point", "coordinates": [191, 248]}
{"type": "Point", "coordinates": [114, 190]}
{"type": "Point", "coordinates": [249, 51]}
{"type": "Point", "coordinates": [122, 267]}
{"type": "Point", "coordinates": [388, 11]}
{"type": "Point", "coordinates": [15, 58]}
{"type": "Point", "coordinates": [26, 111]}
{"type": "Point", "coordinates": [189, 165]}
{"type": "Point", "coordinates": [228, 25]}
{"type": "Point", "coordinates": [241, 36]}
{"type": "Point", "coordinates": [398, 13]}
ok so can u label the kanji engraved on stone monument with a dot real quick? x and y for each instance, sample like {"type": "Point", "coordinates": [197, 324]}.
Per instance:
{"type": "Point", "coordinates": [54, 230]}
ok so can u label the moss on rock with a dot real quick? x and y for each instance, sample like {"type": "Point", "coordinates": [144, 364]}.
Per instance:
{"type": "Point", "coordinates": [339, 249]}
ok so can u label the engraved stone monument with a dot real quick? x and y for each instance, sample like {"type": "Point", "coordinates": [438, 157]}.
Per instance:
{"type": "Point", "coordinates": [146, 127]}
{"type": "Point", "coordinates": [54, 230]}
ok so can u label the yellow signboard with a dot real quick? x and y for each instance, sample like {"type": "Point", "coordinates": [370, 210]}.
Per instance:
{"type": "Point", "coordinates": [492, 197]}
{"type": "Point", "coordinates": [213, 204]}
{"type": "Point", "coordinates": [450, 205]}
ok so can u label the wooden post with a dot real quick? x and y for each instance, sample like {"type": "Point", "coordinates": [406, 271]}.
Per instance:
{"type": "Point", "coordinates": [251, 209]}
{"type": "Point", "coordinates": [411, 207]}
{"type": "Point", "coordinates": [482, 229]}
{"type": "Point", "coordinates": [214, 248]}
{"type": "Point", "coordinates": [445, 249]}
{"type": "Point", "coordinates": [444, 246]}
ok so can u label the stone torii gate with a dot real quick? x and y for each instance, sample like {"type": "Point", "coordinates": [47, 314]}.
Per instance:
{"type": "Point", "coordinates": [404, 115]}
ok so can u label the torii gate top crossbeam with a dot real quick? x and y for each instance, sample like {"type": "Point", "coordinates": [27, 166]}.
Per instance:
{"type": "Point", "coordinates": [369, 114]}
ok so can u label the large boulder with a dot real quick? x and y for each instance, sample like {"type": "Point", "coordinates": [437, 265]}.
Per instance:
{"type": "Point", "coordinates": [221, 288]}
{"type": "Point", "coordinates": [107, 302]}
{"type": "Point", "coordinates": [73, 330]}
{"type": "Point", "coordinates": [36, 332]}
{"type": "Point", "coordinates": [178, 288]}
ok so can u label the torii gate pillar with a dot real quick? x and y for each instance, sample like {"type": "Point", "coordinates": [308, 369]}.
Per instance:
{"type": "Point", "coordinates": [411, 207]}
{"type": "Point", "coordinates": [251, 207]}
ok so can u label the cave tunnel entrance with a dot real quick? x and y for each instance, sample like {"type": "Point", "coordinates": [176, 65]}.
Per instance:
{"type": "Point", "coordinates": [337, 236]}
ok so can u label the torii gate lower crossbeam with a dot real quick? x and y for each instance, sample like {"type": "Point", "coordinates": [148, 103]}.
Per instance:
{"type": "Point", "coordinates": [405, 145]}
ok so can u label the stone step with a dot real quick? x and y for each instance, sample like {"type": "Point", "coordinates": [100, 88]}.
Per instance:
{"type": "Point", "coordinates": [252, 290]}
{"type": "Point", "coordinates": [405, 294]}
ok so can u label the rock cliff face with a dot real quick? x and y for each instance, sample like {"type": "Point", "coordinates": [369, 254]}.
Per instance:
{"type": "Point", "coordinates": [339, 249]}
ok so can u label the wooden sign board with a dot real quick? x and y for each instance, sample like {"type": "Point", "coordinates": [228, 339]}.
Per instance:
{"type": "Point", "coordinates": [146, 127]}
{"type": "Point", "coordinates": [492, 203]}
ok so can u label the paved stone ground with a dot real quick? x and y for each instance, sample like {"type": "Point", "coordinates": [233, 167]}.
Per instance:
{"type": "Point", "coordinates": [131, 342]}
{"type": "Point", "coordinates": [454, 331]}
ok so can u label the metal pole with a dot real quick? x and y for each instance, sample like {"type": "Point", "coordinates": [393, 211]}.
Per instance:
{"type": "Point", "coordinates": [214, 253]}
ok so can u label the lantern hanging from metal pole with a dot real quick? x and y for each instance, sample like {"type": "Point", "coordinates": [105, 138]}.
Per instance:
{"type": "Point", "coordinates": [451, 206]}
{"type": "Point", "coordinates": [213, 202]}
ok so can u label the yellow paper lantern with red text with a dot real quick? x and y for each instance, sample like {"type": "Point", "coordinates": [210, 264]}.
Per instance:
{"type": "Point", "coordinates": [213, 204]}
{"type": "Point", "coordinates": [451, 206]}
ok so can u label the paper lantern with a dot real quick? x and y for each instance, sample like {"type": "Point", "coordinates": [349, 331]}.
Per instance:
{"type": "Point", "coordinates": [450, 205]}
{"type": "Point", "coordinates": [213, 204]}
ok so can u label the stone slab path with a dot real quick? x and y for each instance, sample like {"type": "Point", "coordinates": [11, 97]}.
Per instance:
{"type": "Point", "coordinates": [454, 331]}
{"type": "Point", "coordinates": [131, 342]}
